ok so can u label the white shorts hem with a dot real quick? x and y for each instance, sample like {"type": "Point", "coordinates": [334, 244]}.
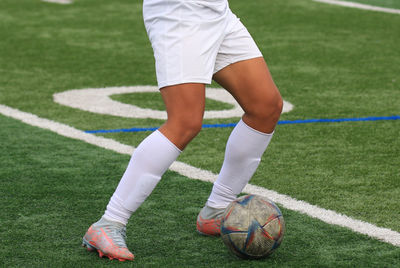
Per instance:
{"type": "Point", "coordinates": [183, 81]}
{"type": "Point", "coordinates": [235, 60]}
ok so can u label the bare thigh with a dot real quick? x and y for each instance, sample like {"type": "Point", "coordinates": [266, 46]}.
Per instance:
{"type": "Point", "coordinates": [185, 108]}
{"type": "Point", "coordinates": [251, 84]}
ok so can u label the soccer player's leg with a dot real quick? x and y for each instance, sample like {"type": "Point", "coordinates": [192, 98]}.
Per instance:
{"type": "Point", "coordinates": [185, 105]}
{"type": "Point", "coordinates": [153, 156]}
{"type": "Point", "coordinates": [250, 82]}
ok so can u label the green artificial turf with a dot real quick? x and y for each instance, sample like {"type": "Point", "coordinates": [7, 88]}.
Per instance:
{"type": "Point", "coordinates": [53, 188]}
{"type": "Point", "coordinates": [328, 61]}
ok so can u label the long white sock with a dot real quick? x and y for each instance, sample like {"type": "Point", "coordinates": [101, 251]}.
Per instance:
{"type": "Point", "coordinates": [148, 163]}
{"type": "Point", "coordinates": [243, 153]}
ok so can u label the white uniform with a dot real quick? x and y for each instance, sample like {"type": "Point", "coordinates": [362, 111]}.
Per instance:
{"type": "Point", "coordinates": [193, 39]}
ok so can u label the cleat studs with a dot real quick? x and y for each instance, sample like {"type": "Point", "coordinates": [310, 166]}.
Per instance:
{"type": "Point", "coordinates": [100, 253]}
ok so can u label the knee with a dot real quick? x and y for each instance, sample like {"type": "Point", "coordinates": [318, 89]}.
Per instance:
{"type": "Point", "coordinates": [191, 126]}
{"type": "Point", "coordinates": [187, 126]}
{"type": "Point", "coordinates": [268, 109]}
{"type": "Point", "coordinates": [277, 106]}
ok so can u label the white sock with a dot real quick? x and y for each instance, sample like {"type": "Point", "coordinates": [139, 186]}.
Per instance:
{"type": "Point", "coordinates": [243, 153]}
{"type": "Point", "coordinates": [148, 163]}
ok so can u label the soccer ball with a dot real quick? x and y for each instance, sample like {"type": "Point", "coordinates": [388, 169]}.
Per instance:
{"type": "Point", "coordinates": [252, 227]}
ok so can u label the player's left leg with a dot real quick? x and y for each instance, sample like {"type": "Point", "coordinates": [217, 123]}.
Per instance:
{"type": "Point", "coordinates": [251, 84]}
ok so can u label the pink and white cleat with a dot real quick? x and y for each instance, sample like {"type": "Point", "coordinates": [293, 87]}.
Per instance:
{"type": "Point", "coordinates": [108, 239]}
{"type": "Point", "coordinates": [209, 221]}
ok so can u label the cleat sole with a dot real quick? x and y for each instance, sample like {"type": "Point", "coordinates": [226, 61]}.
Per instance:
{"type": "Point", "coordinates": [91, 248]}
{"type": "Point", "coordinates": [206, 234]}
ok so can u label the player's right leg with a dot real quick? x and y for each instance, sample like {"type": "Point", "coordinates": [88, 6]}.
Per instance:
{"type": "Point", "coordinates": [185, 107]}
{"type": "Point", "coordinates": [185, 46]}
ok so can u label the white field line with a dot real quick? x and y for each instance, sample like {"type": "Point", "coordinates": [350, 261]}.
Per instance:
{"type": "Point", "coordinates": [98, 100]}
{"type": "Point", "coordinates": [328, 216]}
{"type": "Point", "coordinates": [360, 6]}
{"type": "Point", "coordinates": [62, 2]}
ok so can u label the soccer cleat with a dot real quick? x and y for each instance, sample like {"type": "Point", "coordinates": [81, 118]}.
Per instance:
{"type": "Point", "coordinates": [209, 221]}
{"type": "Point", "coordinates": [108, 239]}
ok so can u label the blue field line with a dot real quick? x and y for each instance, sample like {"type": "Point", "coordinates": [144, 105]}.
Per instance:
{"type": "Point", "coordinates": [283, 122]}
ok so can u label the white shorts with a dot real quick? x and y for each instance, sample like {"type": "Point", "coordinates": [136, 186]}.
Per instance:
{"type": "Point", "coordinates": [193, 39]}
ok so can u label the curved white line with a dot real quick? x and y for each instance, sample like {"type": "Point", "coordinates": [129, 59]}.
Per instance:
{"type": "Point", "coordinates": [62, 2]}
{"type": "Point", "coordinates": [97, 100]}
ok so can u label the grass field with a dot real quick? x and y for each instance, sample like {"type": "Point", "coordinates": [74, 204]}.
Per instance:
{"type": "Point", "coordinates": [328, 61]}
